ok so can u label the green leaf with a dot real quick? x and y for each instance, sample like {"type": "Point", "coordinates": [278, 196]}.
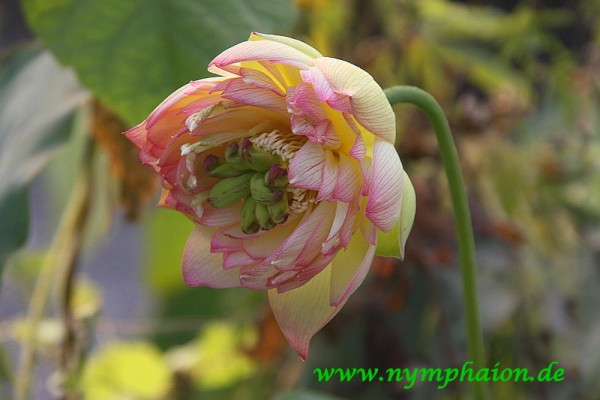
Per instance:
{"type": "Point", "coordinates": [132, 54]}
{"type": "Point", "coordinates": [38, 99]}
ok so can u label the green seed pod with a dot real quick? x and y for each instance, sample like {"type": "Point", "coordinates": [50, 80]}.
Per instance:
{"type": "Point", "coordinates": [276, 176]}
{"type": "Point", "coordinates": [210, 162]}
{"type": "Point", "coordinates": [229, 190]}
{"type": "Point", "coordinates": [280, 210]}
{"type": "Point", "coordinates": [264, 220]}
{"type": "Point", "coordinates": [248, 221]}
{"type": "Point", "coordinates": [232, 153]}
{"type": "Point", "coordinates": [226, 171]}
{"type": "Point", "coordinates": [262, 193]}
{"type": "Point", "coordinates": [256, 159]}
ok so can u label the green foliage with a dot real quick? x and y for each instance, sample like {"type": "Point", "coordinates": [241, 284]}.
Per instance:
{"type": "Point", "coordinates": [132, 54]}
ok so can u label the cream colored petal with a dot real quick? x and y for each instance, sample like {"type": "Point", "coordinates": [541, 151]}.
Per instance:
{"type": "Point", "coordinates": [391, 244]}
{"type": "Point", "coordinates": [259, 51]}
{"type": "Point", "coordinates": [385, 186]}
{"type": "Point", "coordinates": [303, 311]}
{"type": "Point", "coordinates": [203, 268]}
{"type": "Point", "coordinates": [349, 268]}
{"type": "Point", "coordinates": [296, 44]}
{"type": "Point", "coordinates": [369, 104]}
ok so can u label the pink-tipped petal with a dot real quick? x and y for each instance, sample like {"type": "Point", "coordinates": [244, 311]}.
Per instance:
{"type": "Point", "coordinates": [266, 242]}
{"type": "Point", "coordinates": [325, 92]}
{"type": "Point", "coordinates": [137, 135]}
{"type": "Point", "coordinates": [348, 183]}
{"type": "Point", "coordinates": [302, 100]}
{"type": "Point", "coordinates": [241, 92]}
{"type": "Point", "coordinates": [260, 80]}
{"type": "Point", "coordinates": [330, 174]}
{"type": "Point", "coordinates": [260, 51]}
{"type": "Point", "coordinates": [349, 268]}
{"type": "Point", "coordinates": [296, 44]}
{"type": "Point", "coordinates": [203, 268]}
{"type": "Point", "coordinates": [303, 311]}
{"type": "Point", "coordinates": [306, 238]}
{"type": "Point", "coordinates": [385, 186]}
{"type": "Point", "coordinates": [237, 259]}
{"type": "Point", "coordinates": [343, 216]}
{"type": "Point", "coordinates": [221, 243]}
{"type": "Point", "coordinates": [218, 217]}
{"type": "Point", "coordinates": [367, 101]}
{"type": "Point", "coordinates": [306, 168]}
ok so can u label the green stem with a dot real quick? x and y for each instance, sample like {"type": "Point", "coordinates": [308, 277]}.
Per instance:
{"type": "Point", "coordinates": [464, 230]}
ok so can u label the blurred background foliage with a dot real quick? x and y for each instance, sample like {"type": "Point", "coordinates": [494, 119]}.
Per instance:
{"type": "Point", "coordinates": [91, 289]}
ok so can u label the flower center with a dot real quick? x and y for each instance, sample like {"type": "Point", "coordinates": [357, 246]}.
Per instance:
{"type": "Point", "coordinates": [255, 172]}
{"type": "Point", "coordinates": [285, 145]}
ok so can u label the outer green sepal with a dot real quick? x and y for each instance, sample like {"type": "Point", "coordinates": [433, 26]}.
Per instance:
{"type": "Point", "coordinates": [391, 243]}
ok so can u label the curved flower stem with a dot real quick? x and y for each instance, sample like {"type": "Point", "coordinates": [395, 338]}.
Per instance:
{"type": "Point", "coordinates": [466, 244]}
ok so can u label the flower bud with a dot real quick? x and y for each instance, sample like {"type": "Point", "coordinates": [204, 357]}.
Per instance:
{"type": "Point", "coordinates": [229, 190]}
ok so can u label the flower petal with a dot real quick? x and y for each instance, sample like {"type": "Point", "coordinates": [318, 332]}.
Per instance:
{"type": "Point", "coordinates": [237, 90]}
{"type": "Point", "coordinates": [367, 100]}
{"type": "Point", "coordinates": [330, 175]}
{"type": "Point", "coordinates": [349, 268]}
{"type": "Point", "coordinates": [223, 216]}
{"type": "Point", "coordinates": [264, 243]}
{"type": "Point", "coordinates": [237, 259]}
{"type": "Point", "coordinates": [203, 268]}
{"type": "Point", "coordinates": [306, 168]}
{"type": "Point", "coordinates": [303, 311]}
{"type": "Point", "coordinates": [298, 45]}
{"type": "Point", "coordinates": [307, 238]}
{"type": "Point", "coordinates": [258, 51]}
{"type": "Point", "coordinates": [349, 179]}
{"type": "Point", "coordinates": [391, 244]}
{"type": "Point", "coordinates": [221, 243]}
{"type": "Point", "coordinates": [385, 186]}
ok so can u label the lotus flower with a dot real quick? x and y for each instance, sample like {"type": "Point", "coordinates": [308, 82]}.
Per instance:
{"type": "Point", "coordinates": [286, 164]}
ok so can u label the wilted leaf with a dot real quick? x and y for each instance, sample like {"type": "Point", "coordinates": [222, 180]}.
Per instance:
{"type": "Point", "coordinates": [137, 182]}
{"type": "Point", "coordinates": [132, 54]}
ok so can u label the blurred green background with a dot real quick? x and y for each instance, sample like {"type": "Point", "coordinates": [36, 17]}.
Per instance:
{"type": "Point", "coordinates": [86, 256]}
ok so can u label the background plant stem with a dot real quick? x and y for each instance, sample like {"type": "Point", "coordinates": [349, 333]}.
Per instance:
{"type": "Point", "coordinates": [59, 263]}
{"type": "Point", "coordinates": [464, 230]}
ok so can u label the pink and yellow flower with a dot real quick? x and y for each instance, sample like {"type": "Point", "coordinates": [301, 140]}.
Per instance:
{"type": "Point", "coordinates": [286, 163]}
